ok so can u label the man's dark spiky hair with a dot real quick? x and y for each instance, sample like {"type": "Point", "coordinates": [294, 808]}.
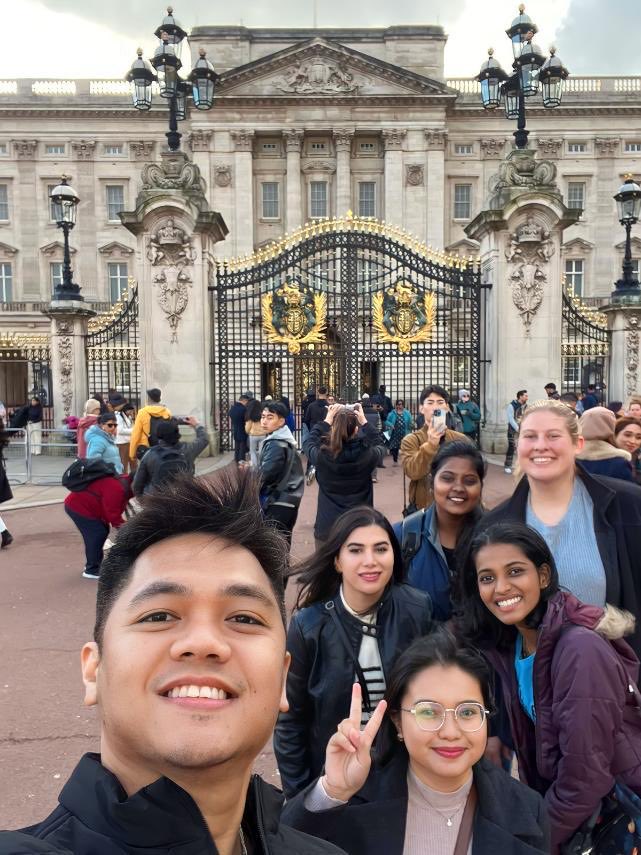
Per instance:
{"type": "Point", "coordinates": [226, 506]}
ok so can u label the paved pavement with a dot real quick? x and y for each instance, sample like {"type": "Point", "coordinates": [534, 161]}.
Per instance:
{"type": "Point", "coordinates": [47, 614]}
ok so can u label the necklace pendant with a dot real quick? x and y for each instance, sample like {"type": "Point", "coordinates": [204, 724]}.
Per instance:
{"type": "Point", "coordinates": [449, 822]}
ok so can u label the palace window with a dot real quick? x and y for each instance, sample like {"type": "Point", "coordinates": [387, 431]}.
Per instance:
{"type": "Point", "coordinates": [576, 194]}
{"type": "Point", "coordinates": [118, 279]}
{"type": "Point", "coordinates": [52, 213]}
{"type": "Point", "coordinates": [577, 148]}
{"type": "Point", "coordinates": [318, 199]}
{"type": "Point", "coordinates": [463, 148]}
{"type": "Point", "coordinates": [57, 148]}
{"type": "Point", "coordinates": [270, 200]}
{"type": "Point", "coordinates": [6, 282]}
{"type": "Point", "coordinates": [114, 149]}
{"type": "Point", "coordinates": [367, 198]}
{"type": "Point", "coordinates": [633, 146]}
{"type": "Point", "coordinates": [115, 201]}
{"type": "Point", "coordinates": [574, 268]}
{"type": "Point", "coordinates": [462, 201]}
{"type": "Point", "coordinates": [635, 268]}
{"type": "Point", "coordinates": [4, 202]}
{"type": "Point", "coordinates": [571, 371]}
{"type": "Point", "coordinates": [55, 274]}
{"type": "Point", "coordinates": [4, 149]}
{"type": "Point", "coordinates": [318, 146]}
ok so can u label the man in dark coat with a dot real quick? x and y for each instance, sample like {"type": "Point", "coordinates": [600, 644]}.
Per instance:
{"type": "Point", "coordinates": [187, 669]}
{"type": "Point", "coordinates": [237, 417]}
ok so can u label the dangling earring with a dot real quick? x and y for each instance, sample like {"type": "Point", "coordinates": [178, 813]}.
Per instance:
{"type": "Point", "coordinates": [399, 736]}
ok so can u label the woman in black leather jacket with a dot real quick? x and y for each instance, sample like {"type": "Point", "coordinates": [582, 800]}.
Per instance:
{"type": "Point", "coordinates": [355, 615]}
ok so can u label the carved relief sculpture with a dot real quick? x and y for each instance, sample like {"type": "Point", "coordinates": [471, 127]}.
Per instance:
{"type": "Point", "coordinates": [393, 138]}
{"type": "Point", "coordinates": [222, 175]}
{"type": "Point", "coordinates": [317, 77]}
{"type": "Point", "coordinates": [199, 140]}
{"type": "Point", "coordinates": [436, 139]}
{"type": "Point", "coordinates": [528, 252]}
{"type": "Point", "coordinates": [175, 173]}
{"type": "Point", "coordinates": [606, 146]}
{"type": "Point", "coordinates": [171, 247]}
{"type": "Point", "coordinates": [25, 149]}
{"type": "Point", "coordinates": [141, 149]}
{"type": "Point", "coordinates": [632, 354]}
{"type": "Point", "coordinates": [492, 147]}
{"type": "Point", "coordinates": [414, 174]}
{"type": "Point", "coordinates": [550, 146]}
{"type": "Point", "coordinates": [65, 363]}
{"type": "Point", "coordinates": [83, 149]}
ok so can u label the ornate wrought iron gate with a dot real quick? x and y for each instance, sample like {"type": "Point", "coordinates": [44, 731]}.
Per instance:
{"type": "Point", "coordinates": [25, 371]}
{"type": "Point", "coordinates": [346, 303]}
{"type": "Point", "coordinates": [113, 357]}
{"type": "Point", "coordinates": [585, 345]}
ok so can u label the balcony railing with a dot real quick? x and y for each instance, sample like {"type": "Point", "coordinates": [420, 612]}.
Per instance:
{"type": "Point", "coordinates": [602, 85]}
{"type": "Point", "coordinates": [40, 306]}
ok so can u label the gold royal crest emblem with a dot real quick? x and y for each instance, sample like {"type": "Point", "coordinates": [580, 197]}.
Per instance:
{"type": "Point", "coordinates": [401, 317]}
{"type": "Point", "coordinates": [294, 316]}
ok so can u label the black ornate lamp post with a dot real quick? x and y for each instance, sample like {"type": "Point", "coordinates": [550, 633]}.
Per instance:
{"type": "Point", "coordinates": [64, 200]}
{"type": "Point", "coordinates": [628, 201]}
{"type": "Point", "coordinates": [530, 67]}
{"type": "Point", "coordinates": [163, 69]}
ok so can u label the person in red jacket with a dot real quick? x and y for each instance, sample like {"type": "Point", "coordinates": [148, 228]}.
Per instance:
{"type": "Point", "coordinates": [93, 510]}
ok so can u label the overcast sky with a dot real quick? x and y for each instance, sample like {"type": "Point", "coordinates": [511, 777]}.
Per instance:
{"type": "Point", "coordinates": [98, 38]}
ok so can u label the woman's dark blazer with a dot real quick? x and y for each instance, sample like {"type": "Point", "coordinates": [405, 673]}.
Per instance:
{"type": "Point", "coordinates": [510, 818]}
{"type": "Point", "coordinates": [617, 526]}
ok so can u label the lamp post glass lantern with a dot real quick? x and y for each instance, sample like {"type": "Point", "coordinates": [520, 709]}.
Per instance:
{"type": "Point", "coordinates": [530, 68]}
{"type": "Point", "coordinates": [64, 203]}
{"type": "Point", "coordinates": [162, 72]}
{"type": "Point", "coordinates": [628, 201]}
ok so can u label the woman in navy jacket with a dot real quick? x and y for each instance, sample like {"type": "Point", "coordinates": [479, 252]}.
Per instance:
{"type": "Point", "coordinates": [355, 615]}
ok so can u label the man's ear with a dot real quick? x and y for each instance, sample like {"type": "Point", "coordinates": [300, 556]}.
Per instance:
{"type": "Point", "coordinates": [284, 703]}
{"type": "Point", "coordinates": [90, 663]}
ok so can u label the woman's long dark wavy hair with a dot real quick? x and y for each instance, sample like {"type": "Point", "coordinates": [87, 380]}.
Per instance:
{"type": "Point", "coordinates": [344, 426]}
{"type": "Point", "coordinates": [318, 576]}
{"type": "Point", "coordinates": [442, 648]}
{"type": "Point", "coordinates": [472, 618]}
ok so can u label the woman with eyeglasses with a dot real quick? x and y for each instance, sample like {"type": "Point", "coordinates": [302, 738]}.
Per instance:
{"type": "Point", "coordinates": [429, 790]}
{"type": "Point", "coordinates": [101, 441]}
{"type": "Point", "coordinates": [568, 677]}
{"type": "Point", "coordinates": [354, 616]}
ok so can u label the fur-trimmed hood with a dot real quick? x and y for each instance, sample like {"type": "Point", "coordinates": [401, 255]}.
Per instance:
{"type": "Point", "coordinates": [599, 449]}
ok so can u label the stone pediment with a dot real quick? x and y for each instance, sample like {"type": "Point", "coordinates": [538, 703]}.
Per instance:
{"type": "Point", "coordinates": [7, 250]}
{"type": "Point", "coordinates": [321, 69]}
{"type": "Point", "coordinates": [577, 244]}
{"type": "Point", "coordinates": [463, 248]}
{"type": "Point", "coordinates": [54, 248]}
{"type": "Point", "coordinates": [635, 243]}
{"type": "Point", "coordinates": [115, 248]}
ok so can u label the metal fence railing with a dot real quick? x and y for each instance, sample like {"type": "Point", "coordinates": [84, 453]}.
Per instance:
{"type": "Point", "coordinates": [39, 458]}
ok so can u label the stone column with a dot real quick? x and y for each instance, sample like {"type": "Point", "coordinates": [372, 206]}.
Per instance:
{"type": "Point", "coordinates": [607, 179]}
{"type": "Point", "coordinates": [343, 141]}
{"type": "Point", "coordinates": [176, 233]}
{"type": "Point", "coordinates": [86, 226]}
{"type": "Point", "coordinates": [27, 192]}
{"type": "Point", "coordinates": [393, 141]}
{"type": "Point", "coordinates": [520, 233]}
{"type": "Point", "coordinates": [624, 323]}
{"type": "Point", "coordinates": [436, 141]}
{"type": "Point", "coordinates": [294, 208]}
{"type": "Point", "coordinates": [69, 322]}
{"type": "Point", "coordinates": [243, 226]}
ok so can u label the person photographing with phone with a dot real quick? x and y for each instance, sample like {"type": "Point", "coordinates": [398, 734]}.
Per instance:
{"type": "Point", "coordinates": [419, 448]}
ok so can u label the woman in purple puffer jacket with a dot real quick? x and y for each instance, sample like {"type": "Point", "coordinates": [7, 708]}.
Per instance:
{"type": "Point", "coordinates": [568, 677]}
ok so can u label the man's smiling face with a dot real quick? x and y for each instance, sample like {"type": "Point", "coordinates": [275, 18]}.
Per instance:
{"type": "Point", "coordinates": [191, 669]}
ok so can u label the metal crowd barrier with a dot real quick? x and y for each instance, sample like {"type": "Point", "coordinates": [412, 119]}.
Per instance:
{"type": "Point", "coordinates": [40, 456]}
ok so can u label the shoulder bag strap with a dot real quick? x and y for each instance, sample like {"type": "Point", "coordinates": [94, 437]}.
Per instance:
{"type": "Point", "coordinates": [464, 837]}
{"type": "Point", "coordinates": [288, 469]}
{"type": "Point", "coordinates": [340, 629]}
{"type": "Point", "coordinates": [411, 536]}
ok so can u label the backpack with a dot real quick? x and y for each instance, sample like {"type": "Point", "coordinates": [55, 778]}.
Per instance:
{"type": "Point", "coordinates": [154, 421]}
{"type": "Point", "coordinates": [83, 472]}
{"type": "Point", "coordinates": [20, 417]}
{"type": "Point", "coordinates": [170, 462]}
{"type": "Point", "coordinates": [411, 536]}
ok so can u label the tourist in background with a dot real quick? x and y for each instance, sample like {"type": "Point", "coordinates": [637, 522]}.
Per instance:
{"type": "Point", "coordinates": [398, 424]}
{"type": "Point", "coordinates": [419, 448]}
{"type": "Point", "coordinates": [427, 790]}
{"type": "Point", "coordinates": [627, 435]}
{"type": "Point", "coordinates": [170, 457]}
{"type": "Point", "coordinates": [571, 400]}
{"type": "Point", "coordinates": [282, 480]}
{"type": "Point", "coordinates": [591, 523]}
{"type": "Point", "coordinates": [513, 413]}
{"type": "Point", "coordinates": [88, 419]}
{"type": "Point", "coordinates": [433, 539]}
{"type": "Point", "coordinates": [568, 677]}
{"type": "Point", "coordinates": [345, 450]}
{"type": "Point", "coordinates": [470, 415]}
{"type": "Point", "coordinates": [125, 414]}
{"type": "Point", "coordinates": [101, 441]}
{"type": "Point", "coordinates": [143, 434]}
{"type": "Point", "coordinates": [256, 433]}
{"type": "Point", "coordinates": [634, 407]}
{"type": "Point", "coordinates": [617, 408]}
{"type": "Point", "coordinates": [5, 488]}
{"type": "Point", "coordinates": [600, 454]}
{"type": "Point", "coordinates": [353, 617]}
{"type": "Point", "coordinates": [383, 403]}
{"type": "Point", "coordinates": [552, 392]}
{"type": "Point", "coordinates": [590, 399]}
{"type": "Point", "coordinates": [238, 418]}
{"type": "Point", "coordinates": [34, 425]}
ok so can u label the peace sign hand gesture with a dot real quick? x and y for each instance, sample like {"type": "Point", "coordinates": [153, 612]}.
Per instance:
{"type": "Point", "coordinates": [347, 758]}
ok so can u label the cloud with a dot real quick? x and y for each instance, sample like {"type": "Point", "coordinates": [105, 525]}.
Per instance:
{"type": "Point", "coordinates": [599, 38]}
